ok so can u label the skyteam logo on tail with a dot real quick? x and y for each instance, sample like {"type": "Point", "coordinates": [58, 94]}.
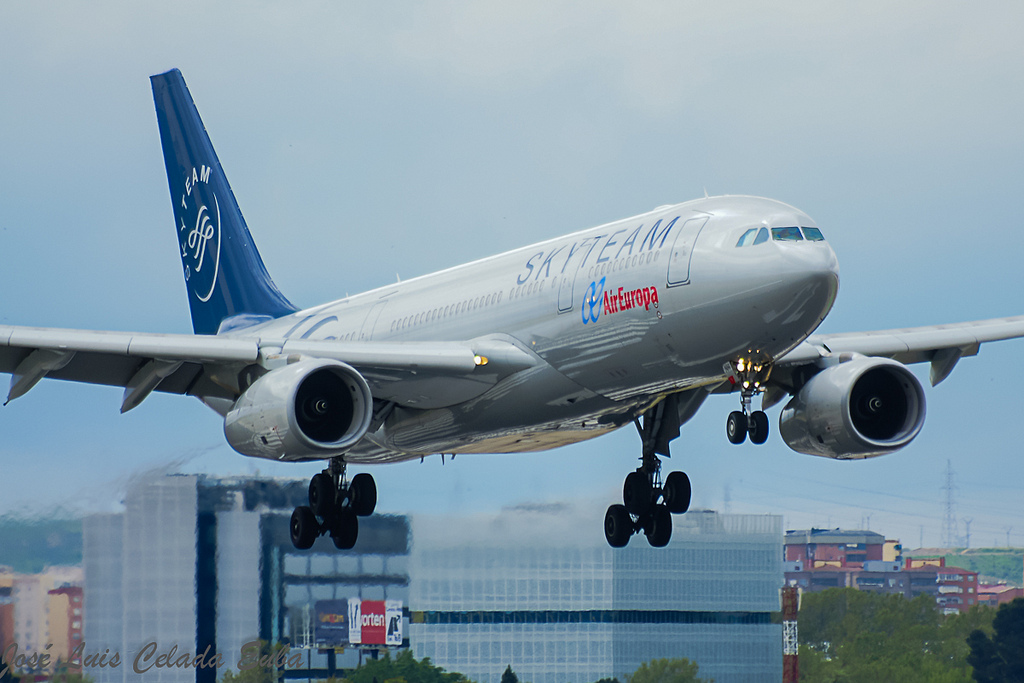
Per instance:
{"type": "Point", "coordinates": [199, 233]}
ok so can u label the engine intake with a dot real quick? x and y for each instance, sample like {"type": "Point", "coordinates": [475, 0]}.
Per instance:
{"type": "Point", "coordinates": [311, 409]}
{"type": "Point", "coordinates": [862, 408]}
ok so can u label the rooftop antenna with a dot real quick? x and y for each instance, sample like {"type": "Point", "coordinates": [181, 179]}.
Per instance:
{"type": "Point", "coordinates": [705, 192]}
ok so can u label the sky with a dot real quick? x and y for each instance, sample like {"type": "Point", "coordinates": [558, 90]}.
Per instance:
{"type": "Point", "coordinates": [366, 141]}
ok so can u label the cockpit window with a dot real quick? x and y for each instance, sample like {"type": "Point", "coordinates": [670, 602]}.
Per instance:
{"type": "Point", "coordinates": [786, 234]}
{"type": "Point", "coordinates": [753, 236]}
{"type": "Point", "coordinates": [814, 235]}
{"type": "Point", "coordinates": [747, 238]}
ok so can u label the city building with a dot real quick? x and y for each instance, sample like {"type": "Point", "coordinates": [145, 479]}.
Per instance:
{"type": "Point", "coordinates": [818, 559]}
{"type": "Point", "coordinates": [538, 589]}
{"type": "Point", "coordinates": [816, 548]}
{"type": "Point", "coordinates": [6, 608]}
{"type": "Point", "coordinates": [197, 562]}
{"type": "Point", "coordinates": [204, 564]}
{"type": "Point", "coordinates": [995, 594]}
{"type": "Point", "coordinates": [65, 621]}
{"type": "Point", "coordinates": [34, 615]}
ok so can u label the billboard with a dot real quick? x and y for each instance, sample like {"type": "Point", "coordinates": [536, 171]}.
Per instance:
{"type": "Point", "coordinates": [331, 624]}
{"type": "Point", "coordinates": [375, 622]}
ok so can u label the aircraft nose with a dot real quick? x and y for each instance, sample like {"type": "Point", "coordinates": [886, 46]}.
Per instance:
{"type": "Point", "coordinates": [814, 270]}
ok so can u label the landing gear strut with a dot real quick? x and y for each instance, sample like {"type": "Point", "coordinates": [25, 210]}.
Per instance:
{"type": "Point", "coordinates": [335, 506]}
{"type": "Point", "coordinates": [648, 503]}
{"type": "Point", "coordinates": [751, 376]}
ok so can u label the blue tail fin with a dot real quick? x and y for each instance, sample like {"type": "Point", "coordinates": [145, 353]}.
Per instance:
{"type": "Point", "coordinates": [224, 273]}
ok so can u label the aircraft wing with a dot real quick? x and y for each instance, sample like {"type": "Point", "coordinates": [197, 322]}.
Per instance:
{"type": "Point", "coordinates": [940, 345]}
{"type": "Point", "coordinates": [419, 374]}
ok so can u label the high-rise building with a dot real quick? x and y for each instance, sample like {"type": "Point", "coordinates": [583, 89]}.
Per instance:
{"type": "Point", "coordinates": [196, 562]}
{"type": "Point", "coordinates": [65, 622]}
{"type": "Point", "coordinates": [28, 610]}
{"type": "Point", "coordinates": [202, 564]}
{"type": "Point", "coordinates": [539, 590]}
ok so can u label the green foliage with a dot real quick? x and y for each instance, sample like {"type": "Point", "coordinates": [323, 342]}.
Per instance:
{"type": "Point", "coordinates": [1000, 657]}
{"type": "Point", "coordinates": [402, 669]}
{"type": "Point", "coordinates": [258, 673]}
{"type": "Point", "coordinates": [29, 545]}
{"type": "Point", "coordinates": [509, 676]}
{"type": "Point", "coordinates": [852, 636]}
{"type": "Point", "coordinates": [666, 671]}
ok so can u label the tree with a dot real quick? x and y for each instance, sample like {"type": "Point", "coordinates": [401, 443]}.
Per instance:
{"type": "Point", "coordinates": [1000, 657]}
{"type": "Point", "coordinates": [509, 676]}
{"type": "Point", "coordinates": [852, 635]}
{"type": "Point", "coordinates": [666, 671]}
{"type": "Point", "coordinates": [404, 667]}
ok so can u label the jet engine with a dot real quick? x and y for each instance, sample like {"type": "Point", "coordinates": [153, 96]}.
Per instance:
{"type": "Point", "coordinates": [310, 409]}
{"type": "Point", "coordinates": [862, 408]}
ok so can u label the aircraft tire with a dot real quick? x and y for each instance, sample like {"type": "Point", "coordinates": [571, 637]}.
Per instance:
{"type": "Point", "coordinates": [736, 427]}
{"type": "Point", "coordinates": [618, 526]}
{"type": "Point", "coordinates": [658, 528]}
{"type": "Point", "coordinates": [345, 529]}
{"type": "Point", "coordinates": [677, 492]}
{"type": "Point", "coordinates": [758, 427]}
{"type": "Point", "coordinates": [303, 528]}
{"type": "Point", "coordinates": [363, 494]}
{"type": "Point", "coordinates": [321, 494]}
{"type": "Point", "coordinates": [637, 493]}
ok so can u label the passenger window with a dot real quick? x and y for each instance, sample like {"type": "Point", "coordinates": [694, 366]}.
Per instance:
{"type": "Point", "coordinates": [787, 235]}
{"type": "Point", "coordinates": [814, 235]}
{"type": "Point", "coordinates": [747, 238]}
{"type": "Point", "coordinates": [762, 236]}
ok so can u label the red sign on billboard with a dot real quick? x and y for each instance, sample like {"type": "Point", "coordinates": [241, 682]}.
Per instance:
{"type": "Point", "coordinates": [374, 622]}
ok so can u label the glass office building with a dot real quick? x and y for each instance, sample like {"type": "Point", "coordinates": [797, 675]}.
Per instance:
{"type": "Point", "coordinates": [559, 605]}
{"type": "Point", "coordinates": [196, 562]}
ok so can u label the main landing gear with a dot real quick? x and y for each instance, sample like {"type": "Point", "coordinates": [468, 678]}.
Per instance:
{"type": "Point", "coordinates": [751, 376]}
{"type": "Point", "coordinates": [648, 503]}
{"type": "Point", "coordinates": [338, 503]}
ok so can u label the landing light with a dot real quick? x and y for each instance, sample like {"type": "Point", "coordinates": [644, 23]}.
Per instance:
{"type": "Point", "coordinates": [480, 360]}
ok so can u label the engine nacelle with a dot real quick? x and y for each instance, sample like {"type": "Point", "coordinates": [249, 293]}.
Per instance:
{"type": "Point", "coordinates": [862, 408]}
{"type": "Point", "coordinates": [310, 409]}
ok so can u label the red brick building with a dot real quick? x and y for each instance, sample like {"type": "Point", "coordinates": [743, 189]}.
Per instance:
{"type": "Point", "coordinates": [819, 559]}
{"type": "Point", "coordinates": [816, 548]}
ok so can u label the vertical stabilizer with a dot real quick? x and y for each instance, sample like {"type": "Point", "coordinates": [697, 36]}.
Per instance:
{"type": "Point", "coordinates": [224, 273]}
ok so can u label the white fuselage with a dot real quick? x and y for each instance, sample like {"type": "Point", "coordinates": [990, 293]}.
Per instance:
{"type": "Point", "coordinates": [621, 315]}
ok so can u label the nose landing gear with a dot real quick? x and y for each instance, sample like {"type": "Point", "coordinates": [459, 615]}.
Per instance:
{"type": "Point", "coordinates": [751, 376]}
{"type": "Point", "coordinates": [338, 503]}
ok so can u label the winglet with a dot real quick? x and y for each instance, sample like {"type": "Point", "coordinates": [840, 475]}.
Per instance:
{"type": "Point", "coordinates": [224, 273]}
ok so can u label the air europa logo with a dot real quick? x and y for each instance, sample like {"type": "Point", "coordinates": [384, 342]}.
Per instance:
{"type": "Point", "coordinates": [634, 298]}
{"type": "Point", "coordinates": [199, 233]}
{"type": "Point", "coordinates": [598, 300]}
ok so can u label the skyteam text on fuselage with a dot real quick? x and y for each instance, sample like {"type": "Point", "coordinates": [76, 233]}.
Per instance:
{"type": "Point", "coordinates": [635, 322]}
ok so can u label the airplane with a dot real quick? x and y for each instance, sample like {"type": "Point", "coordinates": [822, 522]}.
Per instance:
{"type": "Point", "coordinates": [635, 322]}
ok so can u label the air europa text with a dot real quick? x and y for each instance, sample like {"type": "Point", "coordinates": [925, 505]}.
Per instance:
{"type": "Point", "coordinates": [625, 300]}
